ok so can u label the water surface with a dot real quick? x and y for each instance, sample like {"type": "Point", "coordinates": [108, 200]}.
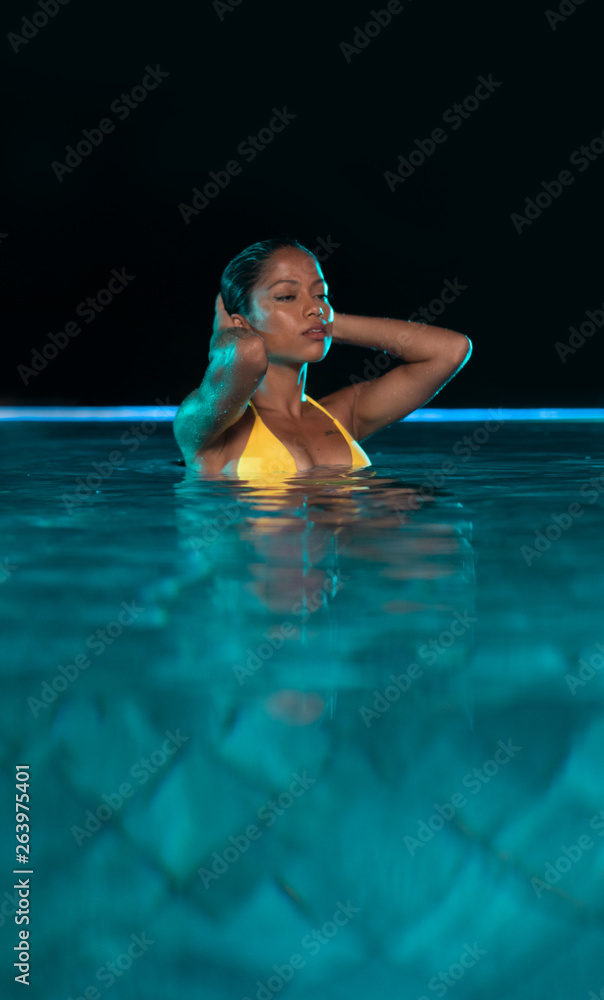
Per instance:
{"type": "Point", "coordinates": [338, 738]}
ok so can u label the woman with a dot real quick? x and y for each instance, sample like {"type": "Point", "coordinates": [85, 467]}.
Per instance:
{"type": "Point", "coordinates": [273, 319]}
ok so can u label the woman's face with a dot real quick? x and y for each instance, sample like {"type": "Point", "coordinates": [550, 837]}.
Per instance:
{"type": "Point", "coordinates": [290, 298]}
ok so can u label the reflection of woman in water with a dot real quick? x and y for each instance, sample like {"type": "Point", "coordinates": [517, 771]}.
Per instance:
{"type": "Point", "coordinates": [251, 420]}
{"type": "Point", "coordinates": [272, 319]}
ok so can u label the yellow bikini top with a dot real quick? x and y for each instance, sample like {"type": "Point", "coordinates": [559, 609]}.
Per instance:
{"type": "Point", "coordinates": [265, 455]}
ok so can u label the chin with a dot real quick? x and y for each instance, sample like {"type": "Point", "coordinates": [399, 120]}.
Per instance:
{"type": "Point", "coordinates": [322, 346]}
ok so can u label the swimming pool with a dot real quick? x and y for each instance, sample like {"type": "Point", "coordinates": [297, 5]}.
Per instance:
{"type": "Point", "coordinates": [338, 740]}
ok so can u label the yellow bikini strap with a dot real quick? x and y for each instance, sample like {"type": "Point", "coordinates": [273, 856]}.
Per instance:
{"type": "Point", "coordinates": [341, 427]}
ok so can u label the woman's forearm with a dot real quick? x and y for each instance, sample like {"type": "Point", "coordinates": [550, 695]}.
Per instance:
{"type": "Point", "coordinates": [401, 338]}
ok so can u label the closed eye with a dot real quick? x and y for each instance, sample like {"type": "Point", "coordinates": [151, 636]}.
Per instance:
{"type": "Point", "coordinates": [283, 298]}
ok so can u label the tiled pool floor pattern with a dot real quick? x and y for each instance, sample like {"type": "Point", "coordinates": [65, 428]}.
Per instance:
{"type": "Point", "coordinates": [339, 723]}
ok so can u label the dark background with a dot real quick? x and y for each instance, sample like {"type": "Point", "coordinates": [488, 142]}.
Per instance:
{"type": "Point", "coordinates": [322, 177]}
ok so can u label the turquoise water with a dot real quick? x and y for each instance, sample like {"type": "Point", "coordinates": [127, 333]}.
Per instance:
{"type": "Point", "coordinates": [339, 740]}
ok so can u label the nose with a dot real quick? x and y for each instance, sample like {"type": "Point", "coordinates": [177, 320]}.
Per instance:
{"type": "Point", "coordinates": [314, 305]}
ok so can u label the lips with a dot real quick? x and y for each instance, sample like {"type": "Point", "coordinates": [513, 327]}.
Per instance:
{"type": "Point", "coordinates": [315, 333]}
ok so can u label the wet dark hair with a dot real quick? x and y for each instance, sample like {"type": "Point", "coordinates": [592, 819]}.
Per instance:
{"type": "Point", "coordinates": [244, 271]}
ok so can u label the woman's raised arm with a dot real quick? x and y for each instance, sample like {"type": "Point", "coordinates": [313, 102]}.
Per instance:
{"type": "Point", "coordinates": [432, 356]}
{"type": "Point", "coordinates": [237, 364]}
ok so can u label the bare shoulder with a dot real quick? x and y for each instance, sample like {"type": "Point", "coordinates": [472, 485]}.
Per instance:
{"type": "Point", "coordinates": [340, 404]}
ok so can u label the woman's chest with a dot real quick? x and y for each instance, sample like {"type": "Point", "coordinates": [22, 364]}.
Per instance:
{"type": "Point", "coordinates": [310, 441]}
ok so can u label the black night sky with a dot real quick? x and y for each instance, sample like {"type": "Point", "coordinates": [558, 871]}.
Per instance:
{"type": "Point", "coordinates": [448, 152]}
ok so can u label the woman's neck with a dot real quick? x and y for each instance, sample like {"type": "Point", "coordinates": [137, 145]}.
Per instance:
{"type": "Point", "coordinates": [281, 390]}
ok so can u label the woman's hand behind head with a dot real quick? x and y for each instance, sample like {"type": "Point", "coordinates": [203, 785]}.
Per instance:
{"type": "Point", "coordinates": [227, 330]}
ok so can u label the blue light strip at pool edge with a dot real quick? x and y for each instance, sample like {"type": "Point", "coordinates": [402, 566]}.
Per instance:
{"type": "Point", "coordinates": [123, 414]}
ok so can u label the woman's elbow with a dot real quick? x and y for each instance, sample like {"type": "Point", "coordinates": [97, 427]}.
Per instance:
{"type": "Point", "coordinates": [463, 349]}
